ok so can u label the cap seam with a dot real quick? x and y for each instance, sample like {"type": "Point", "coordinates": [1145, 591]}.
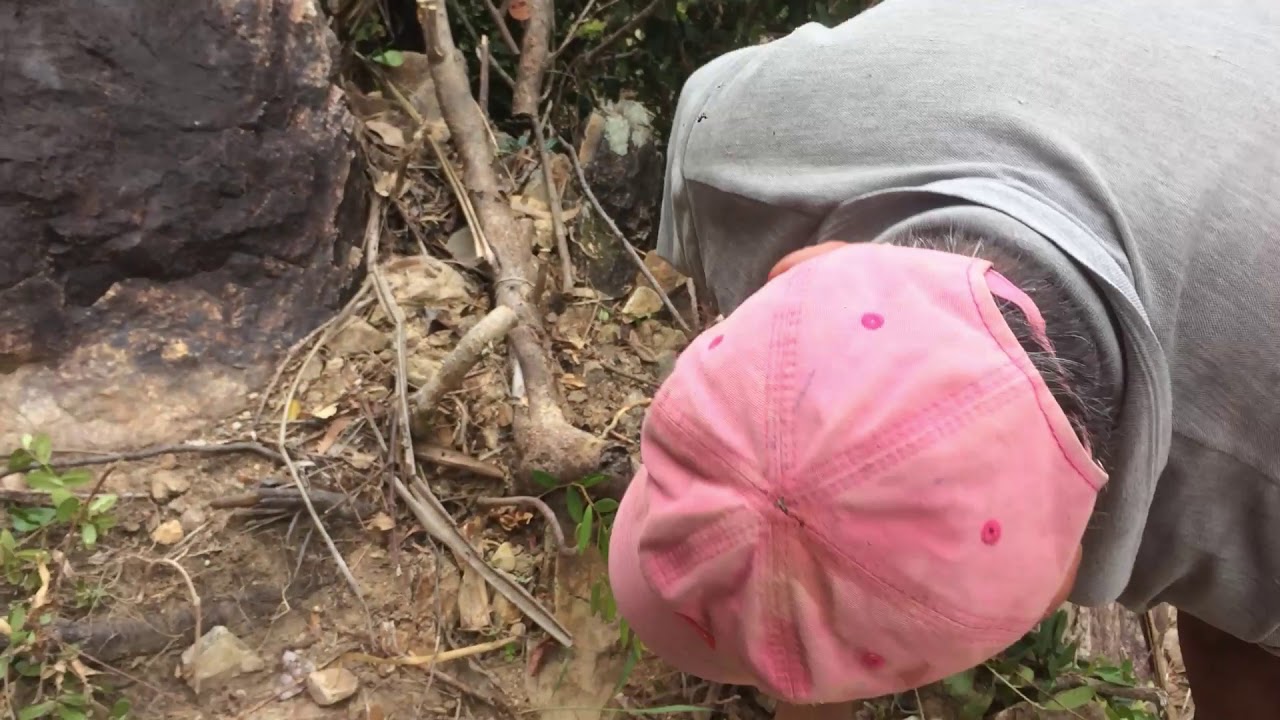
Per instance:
{"type": "Point", "coordinates": [952, 615]}
{"type": "Point", "coordinates": [964, 620]}
{"type": "Point", "coordinates": [1032, 381]}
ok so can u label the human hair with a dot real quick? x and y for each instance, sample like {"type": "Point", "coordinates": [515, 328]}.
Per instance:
{"type": "Point", "coordinates": [1071, 364]}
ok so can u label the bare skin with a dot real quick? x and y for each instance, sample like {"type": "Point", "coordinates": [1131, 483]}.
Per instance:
{"type": "Point", "coordinates": [1230, 679]}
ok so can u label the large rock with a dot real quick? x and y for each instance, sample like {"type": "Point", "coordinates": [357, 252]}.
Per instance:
{"type": "Point", "coordinates": [176, 206]}
{"type": "Point", "coordinates": [621, 159]}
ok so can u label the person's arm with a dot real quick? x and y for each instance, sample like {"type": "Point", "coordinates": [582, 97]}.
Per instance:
{"type": "Point", "coordinates": [835, 711]}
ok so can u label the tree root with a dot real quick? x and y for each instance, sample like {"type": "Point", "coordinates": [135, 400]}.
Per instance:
{"type": "Point", "coordinates": [545, 440]}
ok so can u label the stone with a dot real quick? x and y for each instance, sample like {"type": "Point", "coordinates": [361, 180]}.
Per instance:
{"type": "Point", "coordinates": [643, 302]}
{"type": "Point", "coordinates": [165, 484]}
{"type": "Point", "coordinates": [358, 337]}
{"type": "Point", "coordinates": [171, 219]}
{"type": "Point", "coordinates": [625, 169]}
{"type": "Point", "coordinates": [168, 532]}
{"type": "Point", "coordinates": [192, 518]}
{"type": "Point", "coordinates": [218, 656]}
{"type": "Point", "coordinates": [669, 279]}
{"type": "Point", "coordinates": [332, 685]}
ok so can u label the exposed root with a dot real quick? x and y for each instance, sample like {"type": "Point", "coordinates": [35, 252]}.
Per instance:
{"type": "Point", "coordinates": [546, 441]}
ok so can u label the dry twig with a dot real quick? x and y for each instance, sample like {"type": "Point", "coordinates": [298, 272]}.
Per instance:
{"type": "Point", "coordinates": [356, 302]}
{"type": "Point", "coordinates": [435, 658]}
{"type": "Point", "coordinates": [628, 27]}
{"type": "Point", "coordinates": [557, 210]}
{"type": "Point", "coordinates": [150, 452]}
{"type": "Point", "coordinates": [533, 59]}
{"type": "Point", "coordinates": [503, 30]}
{"type": "Point", "coordinates": [626, 244]}
{"type": "Point", "coordinates": [282, 439]}
{"type": "Point", "coordinates": [421, 501]}
{"type": "Point", "coordinates": [195, 609]}
{"type": "Point", "coordinates": [536, 504]}
{"type": "Point", "coordinates": [464, 356]}
{"type": "Point", "coordinates": [449, 457]}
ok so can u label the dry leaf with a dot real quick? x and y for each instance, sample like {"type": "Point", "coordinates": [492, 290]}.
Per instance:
{"type": "Point", "coordinates": [382, 521]}
{"type": "Point", "coordinates": [511, 518]}
{"type": "Point", "coordinates": [331, 434]}
{"type": "Point", "coordinates": [572, 381]}
{"type": "Point", "coordinates": [5, 629]}
{"type": "Point", "coordinates": [42, 595]}
{"type": "Point", "coordinates": [390, 135]}
{"type": "Point", "coordinates": [360, 461]}
{"type": "Point", "coordinates": [326, 412]}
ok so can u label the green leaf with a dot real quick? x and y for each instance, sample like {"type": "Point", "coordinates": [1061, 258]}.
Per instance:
{"type": "Point", "coordinates": [70, 713]}
{"type": "Point", "coordinates": [605, 506]}
{"type": "Point", "coordinates": [76, 477]}
{"type": "Point", "coordinates": [89, 534]}
{"type": "Point", "coordinates": [41, 448]}
{"type": "Point", "coordinates": [120, 709]}
{"type": "Point", "coordinates": [102, 504]}
{"type": "Point", "coordinates": [44, 709]}
{"type": "Point", "coordinates": [43, 480]}
{"type": "Point", "coordinates": [573, 502]}
{"type": "Point", "coordinates": [1071, 699]}
{"type": "Point", "coordinates": [17, 617]}
{"type": "Point", "coordinates": [591, 29]}
{"type": "Point", "coordinates": [960, 685]}
{"type": "Point", "coordinates": [1025, 674]}
{"type": "Point", "coordinates": [592, 480]}
{"type": "Point", "coordinates": [75, 700]}
{"type": "Point", "coordinates": [7, 541]}
{"type": "Point", "coordinates": [1112, 674]}
{"type": "Point", "coordinates": [31, 518]}
{"type": "Point", "coordinates": [29, 669]}
{"type": "Point", "coordinates": [596, 603]}
{"type": "Point", "coordinates": [584, 530]}
{"type": "Point", "coordinates": [68, 505]}
{"type": "Point", "coordinates": [545, 479]}
{"type": "Point", "coordinates": [20, 460]}
{"type": "Point", "coordinates": [390, 58]}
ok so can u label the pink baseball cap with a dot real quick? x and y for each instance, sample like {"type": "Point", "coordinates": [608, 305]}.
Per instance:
{"type": "Point", "coordinates": [854, 485]}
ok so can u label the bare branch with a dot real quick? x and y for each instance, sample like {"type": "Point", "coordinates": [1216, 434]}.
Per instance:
{"type": "Point", "coordinates": [533, 58]}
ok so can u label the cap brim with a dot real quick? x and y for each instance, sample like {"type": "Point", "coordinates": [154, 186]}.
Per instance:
{"type": "Point", "coordinates": [658, 625]}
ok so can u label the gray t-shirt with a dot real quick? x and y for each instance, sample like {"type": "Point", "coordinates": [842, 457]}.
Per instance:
{"type": "Point", "coordinates": [1133, 147]}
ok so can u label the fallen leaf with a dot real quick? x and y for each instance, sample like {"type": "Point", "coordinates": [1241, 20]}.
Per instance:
{"type": "Point", "coordinates": [326, 412]}
{"type": "Point", "coordinates": [42, 595]}
{"type": "Point", "coordinates": [332, 432]}
{"type": "Point", "coordinates": [390, 135]}
{"type": "Point", "coordinates": [382, 521]}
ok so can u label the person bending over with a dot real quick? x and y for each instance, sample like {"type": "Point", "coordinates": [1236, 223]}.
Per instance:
{"type": "Point", "coordinates": [1001, 330]}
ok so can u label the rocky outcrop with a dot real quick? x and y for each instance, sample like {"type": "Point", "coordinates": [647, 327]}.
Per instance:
{"type": "Point", "coordinates": [177, 205]}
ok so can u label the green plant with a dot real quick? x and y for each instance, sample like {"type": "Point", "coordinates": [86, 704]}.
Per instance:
{"type": "Point", "coordinates": [1044, 670]}
{"type": "Point", "coordinates": [88, 520]}
{"type": "Point", "coordinates": [593, 527]}
{"type": "Point", "coordinates": [56, 683]}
